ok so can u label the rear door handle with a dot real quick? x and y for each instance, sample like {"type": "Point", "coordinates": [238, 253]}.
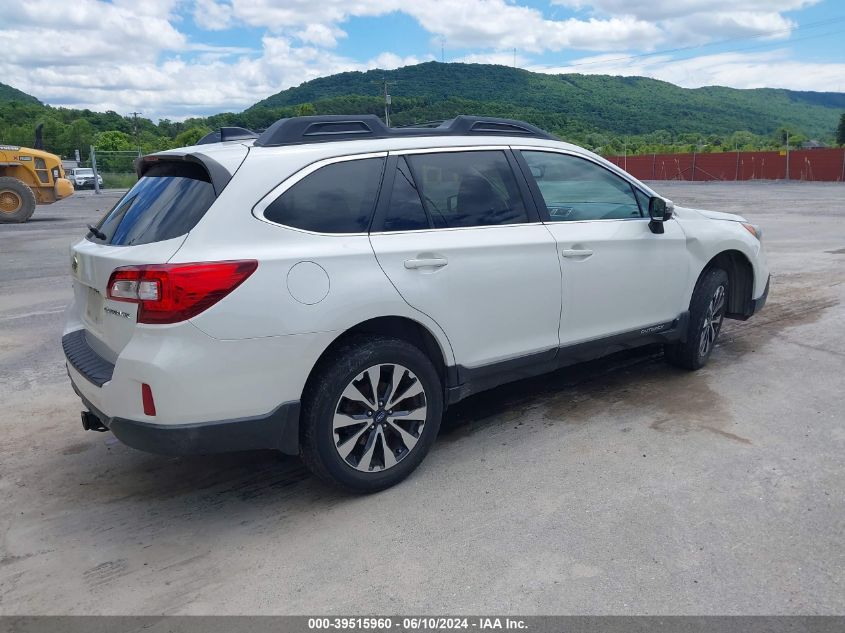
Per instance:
{"type": "Point", "coordinates": [426, 262]}
{"type": "Point", "coordinates": [576, 252]}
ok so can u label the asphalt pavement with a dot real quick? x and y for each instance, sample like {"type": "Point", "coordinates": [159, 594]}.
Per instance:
{"type": "Point", "coordinates": [622, 486]}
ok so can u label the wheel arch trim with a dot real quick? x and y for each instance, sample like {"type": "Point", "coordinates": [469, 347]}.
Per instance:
{"type": "Point", "coordinates": [430, 340]}
{"type": "Point", "coordinates": [741, 281]}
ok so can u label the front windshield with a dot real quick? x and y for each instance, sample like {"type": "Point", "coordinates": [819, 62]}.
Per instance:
{"type": "Point", "coordinates": [84, 172]}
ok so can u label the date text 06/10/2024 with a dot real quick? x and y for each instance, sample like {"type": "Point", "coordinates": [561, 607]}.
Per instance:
{"type": "Point", "coordinates": [416, 623]}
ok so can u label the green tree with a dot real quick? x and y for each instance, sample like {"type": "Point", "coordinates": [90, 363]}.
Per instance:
{"type": "Point", "coordinates": [191, 136]}
{"type": "Point", "coordinates": [113, 141]}
{"type": "Point", "coordinates": [840, 131]}
{"type": "Point", "coordinates": [306, 109]}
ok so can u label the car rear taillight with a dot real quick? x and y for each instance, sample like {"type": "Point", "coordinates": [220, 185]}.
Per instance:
{"type": "Point", "coordinates": [169, 293]}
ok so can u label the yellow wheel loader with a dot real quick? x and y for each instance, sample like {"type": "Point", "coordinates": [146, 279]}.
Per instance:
{"type": "Point", "coordinates": [29, 177]}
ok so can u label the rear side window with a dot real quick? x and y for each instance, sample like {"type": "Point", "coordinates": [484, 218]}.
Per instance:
{"type": "Point", "coordinates": [167, 202]}
{"type": "Point", "coordinates": [405, 212]}
{"type": "Point", "coordinates": [462, 189]}
{"type": "Point", "coordinates": [337, 198]}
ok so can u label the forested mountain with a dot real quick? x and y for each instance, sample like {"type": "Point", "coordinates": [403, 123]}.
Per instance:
{"type": "Point", "coordinates": [620, 105]}
{"type": "Point", "coordinates": [608, 114]}
{"type": "Point", "coordinates": [9, 94]}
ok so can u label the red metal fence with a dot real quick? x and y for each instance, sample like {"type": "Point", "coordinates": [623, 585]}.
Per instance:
{"type": "Point", "coordinates": [811, 164]}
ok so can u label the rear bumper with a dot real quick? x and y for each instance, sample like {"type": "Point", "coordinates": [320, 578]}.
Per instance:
{"type": "Point", "coordinates": [278, 430]}
{"type": "Point", "coordinates": [211, 396]}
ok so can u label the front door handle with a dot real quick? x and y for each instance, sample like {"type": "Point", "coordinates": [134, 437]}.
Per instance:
{"type": "Point", "coordinates": [426, 262]}
{"type": "Point", "coordinates": [576, 252]}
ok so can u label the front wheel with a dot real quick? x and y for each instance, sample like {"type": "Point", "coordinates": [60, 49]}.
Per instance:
{"type": "Point", "coordinates": [707, 311]}
{"type": "Point", "coordinates": [370, 413]}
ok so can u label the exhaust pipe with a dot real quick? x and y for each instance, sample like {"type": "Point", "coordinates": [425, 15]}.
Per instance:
{"type": "Point", "coordinates": [91, 422]}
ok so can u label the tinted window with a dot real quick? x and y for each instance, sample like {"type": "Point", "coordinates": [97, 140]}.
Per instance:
{"type": "Point", "coordinates": [576, 189]}
{"type": "Point", "coordinates": [468, 188]}
{"type": "Point", "coordinates": [167, 202]}
{"type": "Point", "coordinates": [337, 198]}
{"type": "Point", "coordinates": [643, 199]}
{"type": "Point", "coordinates": [405, 212]}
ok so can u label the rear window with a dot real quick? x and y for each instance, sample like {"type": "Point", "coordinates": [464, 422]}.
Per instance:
{"type": "Point", "coordinates": [167, 202]}
{"type": "Point", "coordinates": [337, 198]}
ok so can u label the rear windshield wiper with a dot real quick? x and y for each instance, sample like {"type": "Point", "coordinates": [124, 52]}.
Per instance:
{"type": "Point", "coordinates": [97, 232]}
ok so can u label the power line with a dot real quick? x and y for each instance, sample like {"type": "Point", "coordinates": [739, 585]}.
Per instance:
{"type": "Point", "coordinates": [759, 46]}
{"type": "Point", "coordinates": [808, 25]}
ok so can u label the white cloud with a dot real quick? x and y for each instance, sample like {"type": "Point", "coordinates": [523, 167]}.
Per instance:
{"type": "Point", "coordinates": [502, 59]}
{"type": "Point", "coordinates": [321, 35]}
{"type": "Point", "coordinates": [772, 69]}
{"type": "Point", "coordinates": [277, 15]}
{"type": "Point", "coordinates": [89, 31]}
{"type": "Point", "coordinates": [701, 27]}
{"type": "Point", "coordinates": [177, 88]}
{"type": "Point", "coordinates": [662, 9]}
{"type": "Point", "coordinates": [499, 25]}
{"type": "Point", "coordinates": [211, 15]}
{"type": "Point", "coordinates": [127, 55]}
{"type": "Point", "coordinates": [488, 24]}
{"type": "Point", "coordinates": [696, 21]}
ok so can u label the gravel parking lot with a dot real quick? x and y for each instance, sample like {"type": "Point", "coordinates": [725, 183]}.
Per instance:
{"type": "Point", "coordinates": [622, 486]}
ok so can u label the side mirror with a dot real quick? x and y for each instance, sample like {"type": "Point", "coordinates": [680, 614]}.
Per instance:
{"type": "Point", "coordinates": [659, 210]}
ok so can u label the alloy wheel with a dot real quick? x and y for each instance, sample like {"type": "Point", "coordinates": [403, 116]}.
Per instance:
{"type": "Point", "coordinates": [712, 321]}
{"type": "Point", "coordinates": [9, 201]}
{"type": "Point", "coordinates": [379, 417]}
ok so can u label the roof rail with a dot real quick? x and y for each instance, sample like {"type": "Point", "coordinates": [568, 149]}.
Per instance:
{"type": "Point", "coordinates": [227, 134]}
{"type": "Point", "coordinates": [327, 128]}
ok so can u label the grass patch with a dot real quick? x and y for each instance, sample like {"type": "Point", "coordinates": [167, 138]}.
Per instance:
{"type": "Point", "coordinates": [118, 181]}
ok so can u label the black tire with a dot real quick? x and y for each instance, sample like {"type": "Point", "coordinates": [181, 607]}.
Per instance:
{"type": "Point", "coordinates": [692, 353]}
{"type": "Point", "coordinates": [320, 446]}
{"type": "Point", "coordinates": [17, 201]}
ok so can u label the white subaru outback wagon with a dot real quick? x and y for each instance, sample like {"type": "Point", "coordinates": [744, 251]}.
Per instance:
{"type": "Point", "coordinates": [329, 287]}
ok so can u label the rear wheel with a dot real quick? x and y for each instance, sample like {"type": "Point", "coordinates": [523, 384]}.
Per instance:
{"type": "Point", "coordinates": [707, 311]}
{"type": "Point", "coordinates": [17, 202]}
{"type": "Point", "coordinates": [370, 413]}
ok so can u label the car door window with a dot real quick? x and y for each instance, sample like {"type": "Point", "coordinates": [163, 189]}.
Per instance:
{"type": "Point", "coordinates": [464, 189]}
{"type": "Point", "coordinates": [575, 188]}
{"type": "Point", "coordinates": [643, 199]}
{"type": "Point", "coordinates": [337, 198]}
{"type": "Point", "coordinates": [405, 211]}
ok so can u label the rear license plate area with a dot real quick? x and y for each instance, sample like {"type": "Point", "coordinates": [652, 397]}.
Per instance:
{"type": "Point", "coordinates": [94, 307]}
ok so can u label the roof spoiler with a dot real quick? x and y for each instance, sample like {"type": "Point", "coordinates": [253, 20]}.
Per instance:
{"type": "Point", "coordinates": [218, 174]}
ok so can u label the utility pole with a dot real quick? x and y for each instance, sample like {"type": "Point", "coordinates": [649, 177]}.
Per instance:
{"type": "Point", "coordinates": [388, 99]}
{"type": "Point", "coordinates": [93, 155]}
{"type": "Point", "coordinates": [736, 173]}
{"type": "Point", "coordinates": [842, 178]}
{"type": "Point", "coordinates": [787, 154]}
{"type": "Point", "coordinates": [514, 58]}
{"type": "Point", "coordinates": [442, 51]}
{"type": "Point", "coordinates": [135, 128]}
{"type": "Point", "coordinates": [625, 153]}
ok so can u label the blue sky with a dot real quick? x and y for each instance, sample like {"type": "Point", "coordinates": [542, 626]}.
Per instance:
{"type": "Point", "coordinates": [177, 58]}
